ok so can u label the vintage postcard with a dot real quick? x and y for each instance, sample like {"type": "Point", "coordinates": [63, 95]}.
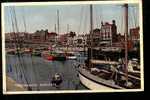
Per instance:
{"type": "Point", "coordinates": [72, 47]}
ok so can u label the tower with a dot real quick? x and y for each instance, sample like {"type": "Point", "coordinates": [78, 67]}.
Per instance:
{"type": "Point", "coordinates": [114, 31]}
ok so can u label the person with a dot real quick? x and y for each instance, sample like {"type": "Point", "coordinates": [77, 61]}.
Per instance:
{"type": "Point", "coordinates": [114, 70]}
{"type": "Point", "coordinates": [86, 63]}
{"type": "Point", "coordinates": [115, 74]}
{"type": "Point", "coordinates": [120, 65]}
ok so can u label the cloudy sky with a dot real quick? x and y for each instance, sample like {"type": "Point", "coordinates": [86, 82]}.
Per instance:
{"type": "Point", "coordinates": [76, 16]}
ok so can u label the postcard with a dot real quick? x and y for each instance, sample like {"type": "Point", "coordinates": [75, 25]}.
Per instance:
{"type": "Point", "coordinates": [72, 47]}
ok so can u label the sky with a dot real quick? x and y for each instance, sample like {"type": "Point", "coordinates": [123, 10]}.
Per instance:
{"type": "Point", "coordinates": [76, 17]}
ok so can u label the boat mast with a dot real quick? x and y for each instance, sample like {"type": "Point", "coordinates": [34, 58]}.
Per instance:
{"type": "Point", "coordinates": [55, 29]}
{"type": "Point", "coordinates": [67, 33]}
{"type": "Point", "coordinates": [91, 31]}
{"type": "Point", "coordinates": [126, 40]}
{"type": "Point", "coordinates": [67, 28]}
{"type": "Point", "coordinates": [57, 26]}
{"type": "Point", "coordinates": [24, 21]}
{"type": "Point", "coordinates": [58, 21]}
{"type": "Point", "coordinates": [22, 66]}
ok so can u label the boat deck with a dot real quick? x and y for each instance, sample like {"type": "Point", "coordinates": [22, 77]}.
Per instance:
{"type": "Point", "coordinates": [109, 83]}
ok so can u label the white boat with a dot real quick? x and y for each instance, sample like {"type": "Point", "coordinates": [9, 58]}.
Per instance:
{"type": "Point", "coordinates": [104, 77]}
{"type": "Point", "coordinates": [108, 78]}
{"type": "Point", "coordinates": [94, 82]}
{"type": "Point", "coordinates": [70, 56]}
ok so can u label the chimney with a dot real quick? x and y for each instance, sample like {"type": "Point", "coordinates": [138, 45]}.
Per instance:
{"type": "Point", "coordinates": [102, 23]}
{"type": "Point", "coordinates": [113, 22]}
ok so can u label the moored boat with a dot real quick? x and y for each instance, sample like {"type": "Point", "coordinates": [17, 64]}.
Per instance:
{"type": "Point", "coordinates": [60, 57]}
{"type": "Point", "coordinates": [47, 55]}
{"type": "Point", "coordinates": [36, 53]}
{"type": "Point", "coordinates": [51, 55]}
{"type": "Point", "coordinates": [70, 56]}
{"type": "Point", "coordinates": [56, 80]}
{"type": "Point", "coordinates": [104, 74]}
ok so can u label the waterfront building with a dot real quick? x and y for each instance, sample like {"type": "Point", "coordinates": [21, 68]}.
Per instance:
{"type": "Point", "coordinates": [8, 36]}
{"type": "Point", "coordinates": [108, 32]}
{"type": "Point", "coordinates": [62, 39]}
{"type": "Point", "coordinates": [51, 37]}
{"type": "Point", "coordinates": [39, 36]}
{"type": "Point", "coordinates": [70, 39]}
{"type": "Point", "coordinates": [80, 40]}
{"type": "Point", "coordinates": [134, 34]}
{"type": "Point", "coordinates": [135, 37]}
{"type": "Point", "coordinates": [106, 35]}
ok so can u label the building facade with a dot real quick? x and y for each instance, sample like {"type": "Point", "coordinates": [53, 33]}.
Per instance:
{"type": "Point", "coordinates": [134, 33]}
{"type": "Point", "coordinates": [51, 37]}
{"type": "Point", "coordinates": [39, 36]}
{"type": "Point", "coordinates": [109, 32]}
{"type": "Point", "coordinates": [104, 36]}
{"type": "Point", "coordinates": [80, 40]}
{"type": "Point", "coordinates": [135, 37]}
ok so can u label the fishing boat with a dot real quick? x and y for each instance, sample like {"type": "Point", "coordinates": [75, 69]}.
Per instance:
{"type": "Point", "coordinates": [48, 55]}
{"type": "Point", "coordinates": [53, 55]}
{"type": "Point", "coordinates": [60, 57]}
{"type": "Point", "coordinates": [70, 55]}
{"type": "Point", "coordinates": [11, 52]}
{"type": "Point", "coordinates": [27, 51]}
{"type": "Point", "coordinates": [36, 52]}
{"type": "Point", "coordinates": [105, 74]}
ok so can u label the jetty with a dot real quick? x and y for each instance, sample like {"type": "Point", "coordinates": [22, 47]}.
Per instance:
{"type": "Point", "coordinates": [13, 86]}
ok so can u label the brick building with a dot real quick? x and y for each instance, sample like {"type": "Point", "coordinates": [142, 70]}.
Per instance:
{"type": "Point", "coordinates": [51, 37]}
{"type": "Point", "coordinates": [106, 35]}
{"type": "Point", "coordinates": [80, 40]}
{"type": "Point", "coordinates": [39, 36]}
{"type": "Point", "coordinates": [135, 37]}
{"type": "Point", "coordinates": [134, 33]}
{"type": "Point", "coordinates": [63, 39]}
{"type": "Point", "coordinates": [109, 31]}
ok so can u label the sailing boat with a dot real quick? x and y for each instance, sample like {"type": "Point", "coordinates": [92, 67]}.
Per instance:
{"type": "Point", "coordinates": [54, 54]}
{"type": "Point", "coordinates": [70, 54]}
{"type": "Point", "coordinates": [105, 75]}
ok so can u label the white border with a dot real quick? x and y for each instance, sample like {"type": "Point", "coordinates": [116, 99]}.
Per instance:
{"type": "Point", "coordinates": [3, 52]}
{"type": "Point", "coordinates": [141, 44]}
{"type": "Point", "coordinates": [73, 3]}
{"type": "Point", "coordinates": [70, 3]}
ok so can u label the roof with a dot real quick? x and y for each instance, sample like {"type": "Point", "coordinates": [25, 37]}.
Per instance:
{"type": "Point", "coordinates": [51, 33]}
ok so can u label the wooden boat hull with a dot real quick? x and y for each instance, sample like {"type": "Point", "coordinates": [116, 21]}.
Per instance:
{"type": "Point", "coordinates": [60, 58]}
{"type": "Point", "coordinates": [50, 58]}
{"type": "Point", "coordinates": [92, 82]}
{"type": "Point", "coordinates": [36, 54]}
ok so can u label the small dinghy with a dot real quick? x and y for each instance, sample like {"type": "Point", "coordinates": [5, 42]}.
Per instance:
{"type": "Point", "coordinates": [56, 79]}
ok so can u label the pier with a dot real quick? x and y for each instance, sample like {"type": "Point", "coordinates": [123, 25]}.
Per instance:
{"type": "Point", "coordinates": [12, 85]}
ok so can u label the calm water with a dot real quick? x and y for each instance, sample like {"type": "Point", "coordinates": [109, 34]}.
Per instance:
{"type": "Point", "coordinates": [37, 72]}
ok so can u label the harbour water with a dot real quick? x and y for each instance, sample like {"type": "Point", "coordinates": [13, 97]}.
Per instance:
{"type": "Point", "coordinates": [37, 72]}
